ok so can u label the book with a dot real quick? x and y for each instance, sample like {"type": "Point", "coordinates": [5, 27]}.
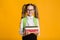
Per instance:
{"type": "Point", "coordinates": [31, 29]}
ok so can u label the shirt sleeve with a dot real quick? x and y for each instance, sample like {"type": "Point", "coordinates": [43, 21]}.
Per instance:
{"type": "Point", "coordinates": [38, 27]}
{"type": "Point", "coordinates": [21, 27]}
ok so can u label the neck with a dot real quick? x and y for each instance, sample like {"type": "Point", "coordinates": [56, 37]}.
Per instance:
{"type": "Point", "coordinates": [30, 15]}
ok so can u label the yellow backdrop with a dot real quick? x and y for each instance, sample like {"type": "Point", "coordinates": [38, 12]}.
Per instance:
{"type": "Point", "coordinates": [10, 15]}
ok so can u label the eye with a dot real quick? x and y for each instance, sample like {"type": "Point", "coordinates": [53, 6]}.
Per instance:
{"type": "Point", "coordinates": [30, 9]}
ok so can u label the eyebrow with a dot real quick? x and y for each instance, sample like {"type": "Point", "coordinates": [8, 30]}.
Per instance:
{"type": "Point", "coordinates": [29, 9]}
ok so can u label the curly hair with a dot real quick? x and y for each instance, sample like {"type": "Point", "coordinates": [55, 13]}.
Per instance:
{"type": "Point", "coordinates": [24, 10]}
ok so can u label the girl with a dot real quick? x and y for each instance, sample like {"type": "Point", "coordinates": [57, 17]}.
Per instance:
{"type": "Point", "coordinates": [29, 18]}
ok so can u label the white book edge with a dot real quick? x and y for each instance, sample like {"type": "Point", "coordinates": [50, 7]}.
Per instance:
{"type": "Point", "coordinates": [31, 28]}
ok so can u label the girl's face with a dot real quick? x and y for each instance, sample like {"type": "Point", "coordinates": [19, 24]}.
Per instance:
{"type": "Point", "coordinates": [30, 10]}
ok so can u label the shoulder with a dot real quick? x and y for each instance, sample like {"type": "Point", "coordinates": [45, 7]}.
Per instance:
{"type": "Point", "coordinates": [23, 18]}
{"type": "Point", "coordinates": [36, 18]}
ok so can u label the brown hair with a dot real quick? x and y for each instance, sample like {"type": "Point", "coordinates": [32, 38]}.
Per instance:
{"type": "Point", "coordinates": [24, 10]}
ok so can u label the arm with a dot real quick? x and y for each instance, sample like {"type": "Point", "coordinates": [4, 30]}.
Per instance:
{"type": "Point", "coordinates": [21, 27]}
{"type": "Point", "coordinates": [38, 27]}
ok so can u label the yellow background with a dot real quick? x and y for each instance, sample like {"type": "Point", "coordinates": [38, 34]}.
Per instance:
{"type": "Point", "coordinates": [49, 17]}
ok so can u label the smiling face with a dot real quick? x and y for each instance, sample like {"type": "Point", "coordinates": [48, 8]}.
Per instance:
{"type": "Point", "coordinates": [30, 10]}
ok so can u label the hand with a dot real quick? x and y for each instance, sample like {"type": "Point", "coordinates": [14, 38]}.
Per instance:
{"type": "Point", "coordinates": [24, 33]}
{"type": "Point", "coordinates": [36, 33]}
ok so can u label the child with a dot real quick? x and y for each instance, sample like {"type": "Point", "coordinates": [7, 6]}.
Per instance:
{"type": "Point", "coordinates": [29, 18]}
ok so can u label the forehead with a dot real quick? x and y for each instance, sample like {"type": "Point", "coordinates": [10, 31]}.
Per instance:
{"type": "Point", "coordinates": [30, 7]}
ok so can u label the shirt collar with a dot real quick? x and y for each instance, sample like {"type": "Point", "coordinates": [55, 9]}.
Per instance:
{"type": "Point", "coordinates": [29, 17]}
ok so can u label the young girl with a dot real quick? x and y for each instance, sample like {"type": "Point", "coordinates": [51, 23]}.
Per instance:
{"type": "Point", "coordinates": [29, 18]}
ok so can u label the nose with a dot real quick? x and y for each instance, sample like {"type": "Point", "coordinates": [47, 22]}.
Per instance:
{"type": "Point", "coordinates": [29, 10]}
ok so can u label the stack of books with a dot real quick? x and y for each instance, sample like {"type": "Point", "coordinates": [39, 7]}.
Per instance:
{"type": "Point", "coordinates": [31, 29]}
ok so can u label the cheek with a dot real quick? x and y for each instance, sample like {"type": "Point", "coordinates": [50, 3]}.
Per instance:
{"type": "Point", "coordinates": [27, 11]}
{"type": "Point", "coordinates": [32, 11]}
